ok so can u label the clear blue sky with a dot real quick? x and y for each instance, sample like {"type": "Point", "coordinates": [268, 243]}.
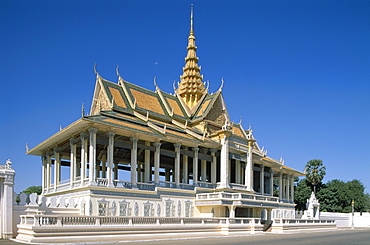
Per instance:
{"type": "Point", "coordinates": [297, 71]}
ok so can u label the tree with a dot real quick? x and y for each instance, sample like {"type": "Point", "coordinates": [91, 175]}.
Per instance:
{"type": "Point", "coordinates": [315, 172]}
{"type": "Point", "coordinates": [302, 192]}
{"type": "Point", "coordinates": [337, 196]}
{"type": "Point", "coordinates": [33, 189]}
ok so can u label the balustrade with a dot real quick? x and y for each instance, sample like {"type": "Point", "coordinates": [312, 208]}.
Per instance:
{"type": "Point", "coordinates": [58, 220]}
{"type": "Point", "coordinates": [237, 196]}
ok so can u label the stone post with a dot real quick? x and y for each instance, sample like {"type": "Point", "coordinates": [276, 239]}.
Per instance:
{"type": "Point", "coordinates": [185, 167]}
{"type": "Point", "coordinates": [237, 171]}
{"type": "Point", "coordinates": [147, 168]}
{"type": "Point", "coordinates": [157, 158]}
{"type": "Point", "coordinates": [110, 158]}
{"type": "Point", "coordinates": [195, 166]}
{"type": "Point", "coordinates": [134, 141]}
{"type": "Point", "coordinates": [214, 166]}
{"type": "Point", "coordinates": [249, 167]}
{"type": "Point", "coordinates": [92, 155]}
{"type": "Point", "coordinates": [6, 219]}
{"type": "Point", "coordinates": [72, 162]}
{"type": "Point", "coordinates": [272, 182]}
{"type": "Point", "coordinates": [224, 161]}
{"type": "Point", "coordinates": [84, 136]}
{"type": "Point", "coordinates": [56, 168]}
{"type": "Point", "coordinates": [44, 173]}
{"type": "Point", "coordinates": [177, 164]}
{"type": "Point", "coordinates": [280, 186]}
{"type": "Point", "coordinates": [262, 179]}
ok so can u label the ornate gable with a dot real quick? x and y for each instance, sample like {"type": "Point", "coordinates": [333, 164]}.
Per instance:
{"type": "Point", "coordinates": [100, 99]}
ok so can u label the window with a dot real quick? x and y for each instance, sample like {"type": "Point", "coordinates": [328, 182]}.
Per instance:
{"type": "Point", "coordinates": [124, 208]}
{"type": "Point", "coordinates": [103, 207]}
{"type": "Point", "coordinates": [148, 209]}
{"type": "Point", "coordinates": [188, 209]}
{"type": "Point", "coordinates": [170, 209]}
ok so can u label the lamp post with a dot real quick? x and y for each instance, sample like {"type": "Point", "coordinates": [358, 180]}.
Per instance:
{"type": "Point", "coordinates": [353, 209]}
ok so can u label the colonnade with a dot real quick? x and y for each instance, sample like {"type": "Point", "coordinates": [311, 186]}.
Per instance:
{"type": "Point", "coordinates": [88, 170]}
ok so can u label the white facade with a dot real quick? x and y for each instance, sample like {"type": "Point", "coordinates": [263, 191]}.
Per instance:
{"type": "Point", "coordinates": [6, 200]}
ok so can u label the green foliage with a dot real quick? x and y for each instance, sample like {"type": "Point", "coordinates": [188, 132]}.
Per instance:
{"type": "Point", "coordinates": [315, 172]}
{"type": "Point", "coordinates": [334, 196]}
{"type": "Point", "coordinates": [302, 192]}
{"type": "Point", "coordinates": [367, 206]}
{"type": "Point", "coordinates": [33, 189]}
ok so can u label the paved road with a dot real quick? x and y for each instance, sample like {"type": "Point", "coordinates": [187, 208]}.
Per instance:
{"type": "Point", "coordinates": [337, 237]}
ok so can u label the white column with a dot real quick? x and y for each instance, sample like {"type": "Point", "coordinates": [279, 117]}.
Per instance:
{"type": "Point", "coordinates": [262, 180]}
{"type": "Point", "coordinates": [177, 164]}
{"type": "Point", "coordinates": [214, 166]}
{"type": "Point", "coordinates": [237, 171]}
{"type": "Point", "coordinates": [281, 186]}
{"type": "Point", "coordinates": [284, 188]}
{"type": "Point", "coordinates": [92, 155]}
{"type": "Point", "coordinates": [195, 166]}
{"type": "Point", "coordinates": [72, 167]}
{"type": "Point", "coordinates": [288, 187]}
{"type": "Point", "coordinates": [44, 173]}
{"type": "Point", "coordinates": [148, 169]}
{"type": "Point", "coordinates": [224, 162]}
{"type": "Point", "coordinates": [185, 167]}
{"type": "Point", "coordinates": [232, 212]}
{"type": "Point", "coordinates": [249, 168]}
{"type": "Point", "coordinates": [56, 168]}
{"type": "Point", "coordinates": [157, 158]}
{"type": "Point", "coordinates": [134, 141]}
{"type": "Point", "coordinates": [292, 188]}
{"type": "Point", "coordinates": [272, 183]}
{"type": "Point", "coordinates": [7, 199]}
{"type": "Point", "coordinates": [84, 136]}
{"type": "Point", "coordinates": [110, 158]}
{"type": "Point", "coordinates": [48, 171]}
{"type": "Point", "coordinates": [204, 170]}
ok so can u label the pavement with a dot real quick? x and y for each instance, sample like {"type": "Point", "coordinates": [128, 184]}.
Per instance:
{"type": "Point", "coordinates": [328, 237]}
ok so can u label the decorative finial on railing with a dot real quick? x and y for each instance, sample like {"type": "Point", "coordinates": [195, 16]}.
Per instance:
{"type": "Point", "coordinates": [8, 164]}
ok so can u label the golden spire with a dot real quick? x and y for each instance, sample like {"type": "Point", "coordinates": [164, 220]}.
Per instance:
{"type": "Point", "coordinates": [191, 87]}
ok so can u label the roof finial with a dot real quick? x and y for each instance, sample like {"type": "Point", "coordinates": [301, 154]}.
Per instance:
{"type": "Point", "coordinates": [191, 88]}
{"type": "Point", "coordinates": [191, 19]}
{"type": "Point", "coordinates": [117, 72]}
{"type": "Point", "coordinates": [155, 83]}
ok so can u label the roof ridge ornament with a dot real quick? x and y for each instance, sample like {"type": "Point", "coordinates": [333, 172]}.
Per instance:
{"type": "Point", "coordinates": [222, 84]}
{"type": "Point", "coordinates": [155, 83]}
{"type": "Point", "coordinates": [117, 72]}
{"type": "Point", "coordinates": [95, 71]}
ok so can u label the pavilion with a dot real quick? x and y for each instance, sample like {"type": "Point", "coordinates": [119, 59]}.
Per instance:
{"type": "Point", "coordinates": [154, 154]}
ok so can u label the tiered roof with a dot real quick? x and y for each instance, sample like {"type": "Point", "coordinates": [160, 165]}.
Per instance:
{"type": "Point", "coordinates": [191, 114]}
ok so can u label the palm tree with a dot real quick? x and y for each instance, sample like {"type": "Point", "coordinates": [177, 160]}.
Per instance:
{"type": "Point", "coordinates": [315, 172]}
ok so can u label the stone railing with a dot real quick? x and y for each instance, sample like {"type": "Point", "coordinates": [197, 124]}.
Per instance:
{"type": "Point", "coordinates": [206, 185]}
{"type": "Point", "coordinates": [303, 221]}
{"type": "Point", "coordinates": [34, 200]}
{"type": "Point", "coordinates": [238, 186]}
{"type": "Point", "coordinates": [58, 220]}
{"type": "Point", "coordinates": [236, 196]}
{"type": "Point", "coordinates": [167, 184]}
{"type": "Point", "coordinates": [122, 184]}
